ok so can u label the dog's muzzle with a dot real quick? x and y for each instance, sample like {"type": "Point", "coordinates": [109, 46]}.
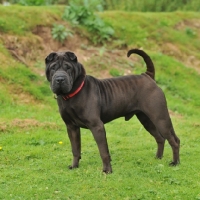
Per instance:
{"type": "Point", "coordinates": [61, 83]}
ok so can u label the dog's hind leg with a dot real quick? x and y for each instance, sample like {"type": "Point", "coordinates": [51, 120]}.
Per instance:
{"type": "Point", "coordinates": [163, 124]}
{"type": "Point", "coordinates": [155, 107]}
{"type": "Point", "coordinates": [167, 132]}
{"type": "Point", "coordinates": [174, 142]}
{"type": "Point", "coordinates": [149, 126]}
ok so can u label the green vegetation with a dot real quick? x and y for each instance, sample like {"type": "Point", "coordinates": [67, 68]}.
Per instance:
{"type": "Point", "coordinates": [84, 15]}
{"type": "Point", "coordinates": [34, 147]}
{"type": "Point", "coordinates": [152, 5]}
{"type": "Point", "coordinates": [60, 32]}
{"type": "Point", "coordinates": [127, 5]}
{"type": "Point", "coordinates": [24, 19]}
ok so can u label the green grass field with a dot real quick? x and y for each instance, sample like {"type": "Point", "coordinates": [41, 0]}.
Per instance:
{"type": "Point", "coordinates": [34, 148]}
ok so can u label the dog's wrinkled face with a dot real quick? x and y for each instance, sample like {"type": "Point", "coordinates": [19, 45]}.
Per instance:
{"type": "Point", "coordinates": [62, 69]}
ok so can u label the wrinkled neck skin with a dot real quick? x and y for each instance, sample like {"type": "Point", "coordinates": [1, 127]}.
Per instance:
{"type": "Point", "coordinates": [79, 76]}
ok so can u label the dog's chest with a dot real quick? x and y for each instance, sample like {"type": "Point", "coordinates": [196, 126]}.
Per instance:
{"type": "Point", "coordinates": [70, 115]}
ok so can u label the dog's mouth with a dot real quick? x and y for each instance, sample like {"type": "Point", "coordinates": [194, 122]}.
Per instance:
{"type": "Point", "coordinates": [61, 89]}
{"type": "Point", "coordinates": [59, 92]}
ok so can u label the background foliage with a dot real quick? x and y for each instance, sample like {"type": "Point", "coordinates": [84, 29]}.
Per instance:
{"type": "Point", "coordinates": [84, 15]}
{"type": "Point", "coordinates": [128, 5]}
{"type": "Point", "coordinates": [152, 5]}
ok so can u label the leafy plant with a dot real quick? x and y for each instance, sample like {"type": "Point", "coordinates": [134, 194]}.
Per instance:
{"type": "Point", "coordinates": [190, 32]}
{"type": "Point", "coordinates": [60, 32]}
{"type": "Point", "coordinates": [98, 26]}
{"type": "Point", "coordinates": [77, 14]}
{"type": "Point", "coordinates": [83, 15]}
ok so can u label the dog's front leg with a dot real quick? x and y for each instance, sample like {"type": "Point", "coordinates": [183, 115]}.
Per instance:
{"type": "Point", "coordinates": [99, 134]}
{"type": "Point", "coordinates": [75, 139]}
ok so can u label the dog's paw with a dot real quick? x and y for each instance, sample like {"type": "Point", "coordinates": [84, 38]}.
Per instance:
{"type": "Point", "coordinates": [107, 172]}
{"type": "Point", "coordinates": [158, 157]}
{"type": "Point", "coordinates": [72, 167]}
{"type": "Point", "coordinates": [174, 163]}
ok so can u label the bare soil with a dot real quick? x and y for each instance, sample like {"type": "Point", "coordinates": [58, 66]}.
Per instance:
{"type": "Point", "coordinates": [32, 50]}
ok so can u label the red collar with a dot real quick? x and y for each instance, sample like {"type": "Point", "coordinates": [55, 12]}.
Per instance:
{"type": "Point", "coordinates": [68, 96]}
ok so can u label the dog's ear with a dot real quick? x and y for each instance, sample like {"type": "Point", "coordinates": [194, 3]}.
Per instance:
{"type": "Point", "coordinates": [71, 56]}
{"type": "Point", "coordinates": [50, 57]}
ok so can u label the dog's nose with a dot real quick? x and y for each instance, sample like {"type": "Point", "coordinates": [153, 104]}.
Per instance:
{"type": "Point", "coordinates": [60, 80]}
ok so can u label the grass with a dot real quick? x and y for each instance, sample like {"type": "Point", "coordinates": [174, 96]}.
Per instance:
{"type": "Point", "coordinates": [152, 5]}
{"type": "Point", "coordinates": [159, 27]}
{"type": "Point", "coordinates": [34, 162]}
{"type": "Point", "coordinates": [21, 19]}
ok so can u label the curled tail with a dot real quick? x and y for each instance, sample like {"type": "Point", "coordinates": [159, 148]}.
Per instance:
{"type": "Point", "coordinates": [150, 66]}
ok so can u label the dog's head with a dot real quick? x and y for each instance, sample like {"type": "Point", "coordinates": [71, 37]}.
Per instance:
{"type": "Point", "coordinates": [63, 71]}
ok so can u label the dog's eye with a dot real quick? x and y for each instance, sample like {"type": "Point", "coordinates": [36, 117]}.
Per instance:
{"type": "Point", "coordinates": [67, 67]}
{"type": "Point", "coordinates": [53, 67]}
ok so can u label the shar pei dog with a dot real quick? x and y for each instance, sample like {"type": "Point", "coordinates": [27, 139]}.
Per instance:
{"type": "Point", "coordinates": [87, 102]}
